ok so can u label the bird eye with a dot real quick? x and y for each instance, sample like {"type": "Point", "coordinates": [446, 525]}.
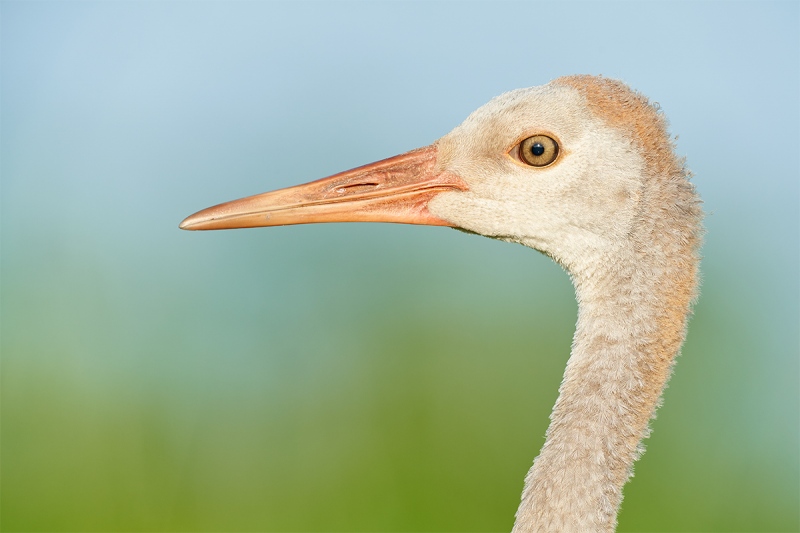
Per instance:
{"type": "Point", "coordinates": [538, 151]}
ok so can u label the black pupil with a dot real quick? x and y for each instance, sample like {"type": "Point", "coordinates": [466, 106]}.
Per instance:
{"type": "Point", "coordinates": [537, 149]}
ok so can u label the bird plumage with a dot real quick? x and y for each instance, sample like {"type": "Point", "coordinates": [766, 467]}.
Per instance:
{"type": "Point", "coordinates": [619, 213]}
{"type": "Point", "coordinates": [615, 208]}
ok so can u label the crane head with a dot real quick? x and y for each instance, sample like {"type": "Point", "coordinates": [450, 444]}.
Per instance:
{"type": "Point", "coordinates": [561, 168]}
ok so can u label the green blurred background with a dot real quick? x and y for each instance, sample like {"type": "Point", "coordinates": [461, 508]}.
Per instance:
{"type": "Point", "coordinates": [364, 377]}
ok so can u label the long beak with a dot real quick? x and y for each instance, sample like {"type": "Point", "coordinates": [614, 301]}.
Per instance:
{"type": "Point", "coordinates": [397, 189]}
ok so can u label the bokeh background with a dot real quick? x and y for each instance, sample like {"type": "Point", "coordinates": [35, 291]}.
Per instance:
{"type": "Point", "coordinates": [364, 377]}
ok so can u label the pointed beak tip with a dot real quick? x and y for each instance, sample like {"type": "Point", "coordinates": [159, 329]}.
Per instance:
{"type": "Point", "coordinates": [189, 223]}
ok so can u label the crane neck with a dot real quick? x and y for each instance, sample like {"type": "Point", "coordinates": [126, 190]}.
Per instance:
{"type": "Point", "coordinates": [632, 320]}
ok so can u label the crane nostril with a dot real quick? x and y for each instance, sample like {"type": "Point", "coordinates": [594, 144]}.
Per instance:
{"type": "Point", "coordinates": [357, 187]}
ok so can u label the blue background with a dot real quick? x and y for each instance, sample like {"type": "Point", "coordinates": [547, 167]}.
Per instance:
{"type": "Point", "coordinates": [362, 377]}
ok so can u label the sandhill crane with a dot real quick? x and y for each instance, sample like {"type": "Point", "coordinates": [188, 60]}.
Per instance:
{"type": "Point", "coordinates": [583, 170]}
